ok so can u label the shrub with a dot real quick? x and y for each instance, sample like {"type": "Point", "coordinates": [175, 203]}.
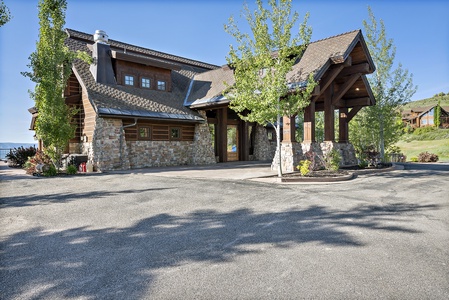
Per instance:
{"type": "Point", "coordinates": [38, 158]}
{"type": "Point", "coordinates": [304, 167]}
{"type": "Point", "coordinates": [414, 159]}
{"type": "Point", "coordinates": [17, 157]}
{"type": "Point", "coordinates": [71, 169]}
{"type": "Point", "coordinates": [427, 157]}
{"type": "Point", "coordinates": [332, 160]}
{"type": "Point", "coordinates": [50, 171]}
{"type": "Point", "coordinates": [423, 130]}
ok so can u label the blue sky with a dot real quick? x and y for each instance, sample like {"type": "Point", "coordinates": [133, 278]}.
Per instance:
{"type": "Point", "coordinates": [194, 29]}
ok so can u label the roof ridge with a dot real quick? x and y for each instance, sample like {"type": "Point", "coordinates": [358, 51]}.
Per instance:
{"type": "Point", "coordinates": [334, 36]}
{"type": "Point", "coordinates": [117, 43]}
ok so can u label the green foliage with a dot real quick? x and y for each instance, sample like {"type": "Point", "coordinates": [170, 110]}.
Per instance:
{"type": "Point", "coordinates": [51, 67]}
{"type": "Point", "coordinates": [381, 125]}
{"type": "Point", "coordinates": [5, 14]}
{"type": "Point", "coordinates": [71, 169]}
{"type": "Point", "coordinates": [50, 171]}
{"type": "Point", "coordinates": [437, 115]}
{"type": "Point", "coordinates": [423, 130]}
{"type": "Point", "coordinates": [414, 159]}
{"type": "Point", "coordinates": [427, 157]}
{"type": "Point", "coordinates": [17, 157]}
{"type": "Point", "coordinates": [332, 160]}
{"type": "Point", "coordinates": [261, 62]}
{"type": "Point", "coordinates": [393, 149]}
{"type": "Point", "coordinates": [304, 167]}
{"type": "Point", "coordinates": [39, 158]}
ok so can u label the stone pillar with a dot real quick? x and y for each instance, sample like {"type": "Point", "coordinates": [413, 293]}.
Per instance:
{"type": "Point", "coordinates": [346, 150]}
{"type": "Point", "coordinates": [203, 152]}
{"type": "Point", "coordinates": [261, 144]}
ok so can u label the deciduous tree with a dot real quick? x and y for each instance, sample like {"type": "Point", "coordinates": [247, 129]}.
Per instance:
{"type": "Point", "coordinates": [380, 125]}
{"type": "Point", "coordinates": [261, 62]}
{"type": "Point", "coordinates": [5, 14]}
{"type": "Point", "coordinates": [51, 67]}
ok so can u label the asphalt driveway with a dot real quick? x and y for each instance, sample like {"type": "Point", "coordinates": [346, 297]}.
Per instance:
{"type": "Point", "coordinates": [149, 235]}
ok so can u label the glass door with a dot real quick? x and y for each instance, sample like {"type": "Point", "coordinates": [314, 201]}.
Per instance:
{"type": "Point", "coordinates": [232, 143]}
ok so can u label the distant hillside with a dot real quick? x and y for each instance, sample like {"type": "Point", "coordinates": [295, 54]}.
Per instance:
{"type": "Point", "coordinates": [429, 101]}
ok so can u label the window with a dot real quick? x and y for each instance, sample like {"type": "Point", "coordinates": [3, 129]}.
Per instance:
{"type": "Point", "coordinates": [144, 133]}
{"type": "Point", "coordinates": [129, 80]}
{"type": "Point", "coordinates": [430, 121]}
{"type": "Point", "coordinates": [146, 83]}
{"type": "Point", "coordinates": [175, 133]}
{"type": "Point", "coordinates": [424, 121]}
{"type": "Point", "coordinates": [161, 85]}
{"type": "Point", "coordinates": [431, 112]}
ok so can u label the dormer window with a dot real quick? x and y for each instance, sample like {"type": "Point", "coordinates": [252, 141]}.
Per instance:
{"type": "Point", "coordinates": [161, 85]}
{"type": "Point", "coordinates": [145, 83]}
{"type": "Point", "coordinates": [129, 80]}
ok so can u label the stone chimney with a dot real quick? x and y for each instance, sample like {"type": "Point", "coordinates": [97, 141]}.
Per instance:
{"type": "Point", "coordinates": [101, 68]}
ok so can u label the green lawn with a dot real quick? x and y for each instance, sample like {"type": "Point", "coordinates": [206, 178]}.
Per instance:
{"type": "Point", "coordinates": [413, 148]}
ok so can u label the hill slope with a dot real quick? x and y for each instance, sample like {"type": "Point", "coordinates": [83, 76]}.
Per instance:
{"type": "Point", "coordinates": [427, 102]}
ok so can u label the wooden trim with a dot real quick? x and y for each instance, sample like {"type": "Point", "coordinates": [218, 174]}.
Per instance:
{"type": "Point", "coordinates": [360, 68]}
{"type": "Point", "coordinates": [353, 112]}
{"type": "Point", "coordinates": [345, 87]}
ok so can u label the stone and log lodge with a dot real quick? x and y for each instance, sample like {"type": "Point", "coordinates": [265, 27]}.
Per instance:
{"type": "Point", "coordinates": [143, 108]}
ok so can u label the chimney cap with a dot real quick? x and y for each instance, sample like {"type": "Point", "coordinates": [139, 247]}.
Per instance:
{"type": "Point", "coordinates": [100, 36]}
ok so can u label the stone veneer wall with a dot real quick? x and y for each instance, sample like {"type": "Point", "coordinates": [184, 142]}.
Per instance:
{"type": "Point", "coordinates": [347, 152]}
{"type": "Point", "coordinates": [293, 153]}
{"type": "Point", "coordinates": [262, 147]}
{"type": "Point", "coordinates": [203, 151]}
{"type": "Point", "coordinates": [105, 153]}
{"type": "Point", "coordinates": [104, 150]}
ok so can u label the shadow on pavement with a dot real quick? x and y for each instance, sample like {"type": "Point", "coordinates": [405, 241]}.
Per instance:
{"type": "Point", "coordinates": [121, 262]}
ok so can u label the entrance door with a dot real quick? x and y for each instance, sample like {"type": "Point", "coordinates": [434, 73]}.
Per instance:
{"type": "Point", "coordinates": [232, 143]}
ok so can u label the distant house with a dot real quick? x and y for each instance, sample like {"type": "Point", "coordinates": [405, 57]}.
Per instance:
{"type": "Point", "coordinates": [424, 116]}
{"type": "Point", "coordinates": [141, 108]}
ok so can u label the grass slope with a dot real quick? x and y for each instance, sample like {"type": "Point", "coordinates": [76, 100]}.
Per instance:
{"type": "Point", "coordinates": [436, 141]}
{"type": "Point", "coordinates": [427, 102]}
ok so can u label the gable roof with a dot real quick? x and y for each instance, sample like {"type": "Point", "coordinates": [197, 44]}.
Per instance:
{"type": "Point", "coordinates": [207, 88]}
{"type": "Point", "coordinates": [119, 100]}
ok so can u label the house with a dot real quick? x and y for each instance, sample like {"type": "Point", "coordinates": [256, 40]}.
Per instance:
{"type": "Point", "coordinates": [142, 108]}
{"type": "Point", "coordinates": [424, 116]}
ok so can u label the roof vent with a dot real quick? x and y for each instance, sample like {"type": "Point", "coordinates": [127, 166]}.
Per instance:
{"type": "Point", "coordinates": [100, 36]}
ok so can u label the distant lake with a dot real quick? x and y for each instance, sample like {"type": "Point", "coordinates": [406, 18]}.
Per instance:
{"type": "Point", "coordinates": [5, 147]}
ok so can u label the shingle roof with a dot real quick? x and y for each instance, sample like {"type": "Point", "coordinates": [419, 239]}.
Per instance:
{"type": "Point", "coordinates": [208, 87]}
{"type": "Point", "coordinates": [145, 51]}
{"type": "Point", "coordinates": [136, 102]}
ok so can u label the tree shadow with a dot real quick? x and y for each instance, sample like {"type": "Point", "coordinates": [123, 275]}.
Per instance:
{"type": "Point", "coordinates": [117, 263]}
{"type": "Point", "coordinates": [37, 199]}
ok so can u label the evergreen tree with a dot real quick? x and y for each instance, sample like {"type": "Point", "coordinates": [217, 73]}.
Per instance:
{"type": "Point", "coordinates": [380, 125]}
{"type": "Point", "coordinates": [51, 67]}
{"type": "Point", "coordinates": [437, 115]}
{"type": "Point", "coordinates": [261, 62]}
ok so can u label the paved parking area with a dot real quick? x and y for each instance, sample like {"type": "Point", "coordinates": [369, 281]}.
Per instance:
{"type": "Point", "coordinates": [149, 235]}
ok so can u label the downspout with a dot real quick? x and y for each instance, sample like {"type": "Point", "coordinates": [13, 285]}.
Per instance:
{"type": "Point", "coordinates": [121, 139]}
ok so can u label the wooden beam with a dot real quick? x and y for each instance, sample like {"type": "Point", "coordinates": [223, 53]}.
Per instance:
{"type": "Point", "coordinates": [327, 80]}
{"type": "Point", "coordinates": [360, 68]}
{"type": "Point", "coordinates": [345, 87]}
{"type": "Point", "coordinates": [329, 111]}
{"type": "Point", "coordinates": [352, 113]}
{"type": "Point", "coordinates": [343, 136]}
{"type": "Point", "coordinates": [362, 101]}
{"type": "Point", "coordinates": [309, 123]}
